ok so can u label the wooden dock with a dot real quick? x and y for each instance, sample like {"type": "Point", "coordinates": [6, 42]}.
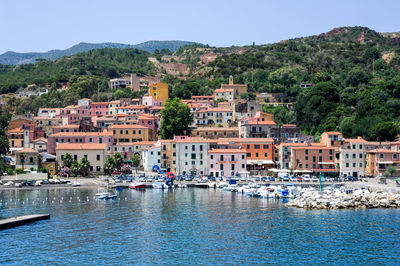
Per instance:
{"type": "Point", "coordinates": [22, 220]}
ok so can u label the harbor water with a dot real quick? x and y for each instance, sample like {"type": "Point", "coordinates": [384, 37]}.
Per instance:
{"type": "Point", "coordinates": [191, 226]}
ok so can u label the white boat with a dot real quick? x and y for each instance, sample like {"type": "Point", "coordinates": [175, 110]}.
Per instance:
{"type": "Point", "coordinates": [105, 195]}
{"type": "Point", "coordinates": [158, 185]}
{"type": "Point", "coordinates": [222, 184]}
{"type": "Point", "coordinates": [267, 192]}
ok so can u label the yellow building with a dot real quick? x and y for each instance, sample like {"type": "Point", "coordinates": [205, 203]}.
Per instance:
{"type": "Point", "coordinates": [159, 91]}
{"type": "Point", "coordinates": [130, 133]}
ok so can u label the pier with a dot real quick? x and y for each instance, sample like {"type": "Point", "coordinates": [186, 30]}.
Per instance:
{"type": "Point", "coordinates": [22, 220]}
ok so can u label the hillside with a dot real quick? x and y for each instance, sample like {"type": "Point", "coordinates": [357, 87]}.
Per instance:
{"type": "Point", "coordinates": [356, 72]}
{"type": "Point", "coordinates": [13, 58]}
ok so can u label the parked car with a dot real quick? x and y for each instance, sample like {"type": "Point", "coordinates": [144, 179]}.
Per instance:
{"type": "Point", "coordinates": [212, 178]}
{"type": "Point", "coordinates": [196, 178]}
{"type": "Point", "coordinates": [243, 178]}
{"type": "Point", "coordinates": [299, 179]}
{"type": "Point", "coordinates": [271, 178]}
{"type": "Point", "coordinates": [150, 178]}
{"type": "Point", "coordinates": [306, 178]}
{"type": "Point", "coordinates": [170, 175]}
{"type": "Point", "coordinates": [160, 178]}
{"type": "Point", "coordinates": [285, 178]}
{"type": "Point", "coordinates": [292, 178]}
{"type": "Point", "coordinates": [314, 178]}
{"type": "Point", "coordinates": [328, 179]}
{"type": "Point", "coordinates": [188, 178]}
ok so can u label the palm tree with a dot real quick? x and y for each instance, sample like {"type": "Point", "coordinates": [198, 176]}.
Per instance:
{"type": "Point", "coordinates": [84, 166]}
{"type": "Point", "coordinates": [22, 157]}
{"type": "Point", "coordinates": [109, 165]}
{"type": "Point", "coordinates": [39, 158]}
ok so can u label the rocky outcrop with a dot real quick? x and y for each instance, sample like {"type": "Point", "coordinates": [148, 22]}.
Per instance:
{"type": "Point", "coordinates": [340, 199]}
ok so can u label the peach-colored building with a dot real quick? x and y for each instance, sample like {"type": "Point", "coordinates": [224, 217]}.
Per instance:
{"type": "Point", "coordinates": [379, 160]}
{"type": "Point", "coordinates": [315, 159]}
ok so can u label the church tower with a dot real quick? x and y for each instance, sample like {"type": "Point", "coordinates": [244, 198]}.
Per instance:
{"type": "Point", "coordinates": [230, 80]}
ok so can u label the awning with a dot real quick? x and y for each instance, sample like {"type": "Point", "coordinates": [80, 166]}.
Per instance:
{"type": "Point", "coordinates": [302, 171]}
{"type": "Point", "coordinates": [326, 170]}
{"type": "Point", "coordinates": [385, 162]}
{"type": "Point", "coordinates": [260, 162]}
{"type": "Point", "coordinates": [325, 162]}
{"type": "Point", "coordinates": [279, 170]}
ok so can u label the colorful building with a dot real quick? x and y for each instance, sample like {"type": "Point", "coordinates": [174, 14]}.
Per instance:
{"type": "Point", "coordinates": [130, 133]}
{"type": "Point", "coordinates": [378, 161]}
{"type": "Point", "coordinates": [159, 92]}
{"type": "Point", "coordinates": [226, 162]}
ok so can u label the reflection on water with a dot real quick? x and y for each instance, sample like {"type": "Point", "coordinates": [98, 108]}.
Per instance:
{"type": "Point", "coordinates": [187, 226]}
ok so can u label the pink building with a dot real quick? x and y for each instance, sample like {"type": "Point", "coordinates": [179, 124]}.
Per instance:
{"type": "Point", "coordinates": [98, 109]}
{"type": "Point", "coordinates": [226, 162]}
{"type": "Point", "coordinates": [80, 137]}
{"type": "Point", "coordinates": [65, 128]}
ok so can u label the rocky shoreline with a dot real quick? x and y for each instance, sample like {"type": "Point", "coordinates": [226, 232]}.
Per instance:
{"type": "Point", "coordinates": [340, 199]}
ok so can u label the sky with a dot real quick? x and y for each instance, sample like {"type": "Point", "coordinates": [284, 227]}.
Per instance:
{"type": "Point", "coordinates": [42, 25]}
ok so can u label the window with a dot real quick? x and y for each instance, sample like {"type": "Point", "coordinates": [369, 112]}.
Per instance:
{"type": "Point", "coordinates": [31, 159]}
{"type": "Point", "coordinates": [193, 156]}
{"type": "Point", "coordinates": [232, 167]}
{"type": "Point", "coordinates": [306, 158]}
{"type": "Point", "coordinates": [300, 166]}
{"type": "Point", "coordinates": [256, 154]}
{"type": "Point", "coordinates": [354, 155]}
{"type": "Point", "coordinates": [248, 146]}
{"type": "Point", "coordinates": [361, 146]}
{"type": "Point", "coordinates": [330, 151]}
{"type": "Point", "coordinates": [211, 165]}
{"type": "Point", "coordinates": [173, 162]}
{"type": "Point", "coordinates": [75, 157]}
{"type": "Point", "coordinates": [266, 154]}
{"type": "Point", "coordinates": [242, 157]}
{"type": "Point", "coordinates": [186, 163]}
{"type": "Point", "coordinates": [320, 151]}
{"type": "Point", "coordinates": [186, 154]}
{"type": "Point", "coordinates": [381, 155]}
{"type": "Point", "coordinates": [360, 164]}
{"type": "Point", "coordinates": [90, 140]}
{"type": "Point", "coordinates": [221, 167]}
{"type": "Point", "coordinates": [314, 166]}
{"type": "Point", "coordinates": [306, 151]}
{"type": "Point", "coordinates": [121, 132]}
{"type": "Point", "coordinates": [347, 164]}
{"type": "Point", "coordinates": [85, 156]}
{"type": "Point", "coordinates": [314, 158]}
{"type": "Point", "coordinates": [193, 148]}
{"type": "Point", "coordinates": [201, 162]}
{"type": "Point", "coordinates": [306, 166]}
{"type": "Point", "coordinates": [266, 146]}
{"type": "Point", "coordinates": [174, 154]}
{"type": "Point", "coordinates": [211, 156]}
{"type": "Point", "coordinates": [320, 158]}
{"type": "Point", "coordinates": [248, 154]}
{"type": "Point", "coordinates": [394, 156]}
{"type": "Point", "coordinates": [243, 166]}
{"type": "Point", "coordinates": [232, 157]}
{"type": "Point", "coordinates": [126, 132]}
{"type": "Point", "coordinates": [347, 155]}
{"type": "Point", "coordinates": [354, 164]}
{"type": "Point", "coordinates": [256, 146]}
{"type": "Point", "coordinates": [98, 157]}
{"type": "Point", "coordinates": [186, 147]}
{"type": "Point", "coordinates": [174, 145]}
{"type": "Point", "coordinates": [201, 147]}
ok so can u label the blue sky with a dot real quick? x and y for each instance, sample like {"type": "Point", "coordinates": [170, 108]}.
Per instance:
{"type": "Point", "coordinates": [41, 25]}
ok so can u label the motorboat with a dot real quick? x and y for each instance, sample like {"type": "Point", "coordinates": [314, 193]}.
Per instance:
{"type": "Point", "coordinates": [158, 185]}
{"type": "Point", "coordinates": [105, 195]}
{"type": "Point", "coordinates": [137, 185]}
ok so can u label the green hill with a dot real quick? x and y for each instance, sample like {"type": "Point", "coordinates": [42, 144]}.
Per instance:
{"type": "Point", "coordinates": [356, 72]}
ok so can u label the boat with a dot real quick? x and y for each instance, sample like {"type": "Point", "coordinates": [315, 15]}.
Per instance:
{"type": "Point", "coordinates": [137, 185]}
{"type": "Point", "coordinates": [158, 185]}
{"type": "Point", "coordinates": [105, 195]}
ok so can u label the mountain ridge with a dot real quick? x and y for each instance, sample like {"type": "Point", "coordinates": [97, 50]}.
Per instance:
{"type": "Point", "coordinates": [15, 58]}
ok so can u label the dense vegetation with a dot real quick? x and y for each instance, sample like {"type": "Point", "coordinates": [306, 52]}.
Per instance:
{"type": "Point", "coordinates": [355, 70]}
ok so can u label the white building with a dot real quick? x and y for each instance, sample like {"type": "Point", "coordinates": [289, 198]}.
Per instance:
{"type": "Point", "coordinates": [352, 157]}
{"type": "Point", "coordinates": [48, 112]}
{"type": "Point", "coordinates": [191, 156]}
{"type": "Point", "coordinates": [151, 157]}
{"type": "Point", "coordinates": [120, 83]}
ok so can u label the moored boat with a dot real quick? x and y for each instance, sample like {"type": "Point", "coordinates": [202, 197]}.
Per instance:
{"type": "Point", "coordinates": [137, 185]}
{"type": "Point", "coordinates": [105, 195]}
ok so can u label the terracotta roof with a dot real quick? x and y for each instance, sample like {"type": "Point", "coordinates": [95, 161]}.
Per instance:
{"type": "Point", "coordinates": [192, 140]}
{"type": "Point", "coordinates": [127, 127]}
{"type": "Point", "coordinates": [152, 147]}
{"type": "Point", "coordinates": [227, 151]}
{"type": "Point", "coordinates": [27, 150]}
{"type": "Point", "coordinates": [247, 140]}
{"type": "Point", "coordinates": [316, 144]}
{"type": "Point", "coordinates": [81, 134]}
{"type": "Point", "coordinates": [289, 125]}
{"type": "Point", "coordinates": [84, 146]}
{"type": "Point", "coordinates": [313, 148]}
{"type": "Point", "coordinates": [260, 123]}
{"type": "Point", "coordinates": [42, 139]}
{"type": "Point", "coordinates": [382, 151]}
{"type": "Point", "coordinates": [356, 140]}
{"type": "Point", "coordinates": [16, 130]}
{"type": "Point", "coordinates": [216, 129]}
{"type": "Point", "coordinates": [332, 133]}
{"type": "Point", "coordinates": [66, 126]}
{"type": "Point", "coordinates": [214, 109]}
{"type": "Point", "coordinates": [95, 103]}
{"type": "Point", "coordinates": [157, 108]}
{"type": "Point", "coordinates": [223, 90]}
{"type": "Point", "coordinates": [46, 118]}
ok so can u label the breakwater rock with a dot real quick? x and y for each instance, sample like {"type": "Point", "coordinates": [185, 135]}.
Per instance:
{"type": "Point", "coordinates": [338, 199]}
